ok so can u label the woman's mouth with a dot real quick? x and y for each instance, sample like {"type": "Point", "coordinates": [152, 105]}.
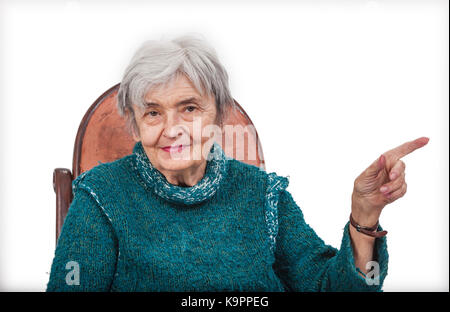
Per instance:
{"type": "Point", "coordinates": [174, 149]}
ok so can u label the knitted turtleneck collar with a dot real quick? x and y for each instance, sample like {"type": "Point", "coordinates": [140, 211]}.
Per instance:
{"type": "Point", "coordinates": [214, 174]}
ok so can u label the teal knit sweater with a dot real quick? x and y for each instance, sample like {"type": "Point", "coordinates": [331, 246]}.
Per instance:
{"type": "Point", "coordinates": [238, 229]}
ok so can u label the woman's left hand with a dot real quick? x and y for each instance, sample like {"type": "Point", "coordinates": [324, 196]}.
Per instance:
{"type": "Point", "coordinates": [388, 171]}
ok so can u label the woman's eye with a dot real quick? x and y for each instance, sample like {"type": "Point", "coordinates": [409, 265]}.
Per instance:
{"type": "Point", "coordinates": [152, 113]}
{"type": "Point", "coordinates": [190, 108]}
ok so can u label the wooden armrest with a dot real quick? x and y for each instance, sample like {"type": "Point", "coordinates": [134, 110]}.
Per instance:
{"type": "Point", "coordinates": [62, 184]}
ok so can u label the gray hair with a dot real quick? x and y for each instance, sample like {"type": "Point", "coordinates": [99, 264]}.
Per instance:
{"type": "Point", "coordinates": [157, 62]}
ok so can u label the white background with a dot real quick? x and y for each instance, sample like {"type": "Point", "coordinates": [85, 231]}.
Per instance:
{"type": "Point", "coordinates": [328, 85]}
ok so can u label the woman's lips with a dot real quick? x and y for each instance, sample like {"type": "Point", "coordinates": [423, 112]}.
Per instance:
{"type": "Point", "coordinates": [174, 149]}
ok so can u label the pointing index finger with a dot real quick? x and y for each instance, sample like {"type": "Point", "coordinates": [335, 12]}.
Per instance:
{"type": "Point", "coordinates": [408, 147]}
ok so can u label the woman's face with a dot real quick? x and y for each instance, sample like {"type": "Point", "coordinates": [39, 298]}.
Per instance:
{"type": "Point", "coordinates": [172, 113]}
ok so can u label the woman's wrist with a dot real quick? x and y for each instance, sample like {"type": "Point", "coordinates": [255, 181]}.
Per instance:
{"type": "Point", "coordinates": [363, 215]}
{"type": "Point", "coordinates": [359, 238]}
{"type": "Point", "coordinates": [364, 225]}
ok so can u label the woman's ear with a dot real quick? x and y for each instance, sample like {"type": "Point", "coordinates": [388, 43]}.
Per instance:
{"type": "Point", "coordinates": [135, 133]}
{"type": "Point", "coordinates": [132, 125]}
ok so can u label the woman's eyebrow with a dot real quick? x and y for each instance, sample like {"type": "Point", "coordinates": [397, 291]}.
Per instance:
{"type": "Point", "coordinates": [192, 99]}
{"type": "Point", "coordinates": [150, 104]}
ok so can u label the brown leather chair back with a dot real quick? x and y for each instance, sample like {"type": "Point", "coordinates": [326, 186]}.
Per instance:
{"type": "Point", "coordinates": [102, 136]}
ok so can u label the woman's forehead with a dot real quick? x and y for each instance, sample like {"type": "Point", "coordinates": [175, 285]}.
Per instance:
{"type": "Point", "coordinates": [179, 88]}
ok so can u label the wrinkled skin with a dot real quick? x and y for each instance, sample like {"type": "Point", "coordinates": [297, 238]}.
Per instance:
{"type": "Point", "coordinates": [368, 198]}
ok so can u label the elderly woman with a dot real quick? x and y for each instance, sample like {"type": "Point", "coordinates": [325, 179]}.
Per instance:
{"type": "Point", "coordinates": [179, 215]}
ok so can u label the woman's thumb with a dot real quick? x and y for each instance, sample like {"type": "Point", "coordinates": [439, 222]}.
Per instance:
{"type": "Point", "coordinates": [377, 166]}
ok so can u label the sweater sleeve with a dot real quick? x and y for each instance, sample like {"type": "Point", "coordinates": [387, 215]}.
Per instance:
{"type": "Point", "coordinates": [305, 263]}
{"type": "Point", "coordinates": [86, 252]}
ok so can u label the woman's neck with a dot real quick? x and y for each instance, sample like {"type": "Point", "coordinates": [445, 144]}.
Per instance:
{"type": "Point", "coordinates": [185, 178]}
{"type": "Point", "coordinates": [206, 181]}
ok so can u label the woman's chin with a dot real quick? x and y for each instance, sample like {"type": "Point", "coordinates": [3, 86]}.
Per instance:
{"type": "Point", "coordinates": [178, 160]}
{"type": "Point", "coordinates": [175, 164]}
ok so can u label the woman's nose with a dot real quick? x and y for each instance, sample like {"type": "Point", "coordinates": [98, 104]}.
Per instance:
{"type": "Point", "coordinates": [173, 128]}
